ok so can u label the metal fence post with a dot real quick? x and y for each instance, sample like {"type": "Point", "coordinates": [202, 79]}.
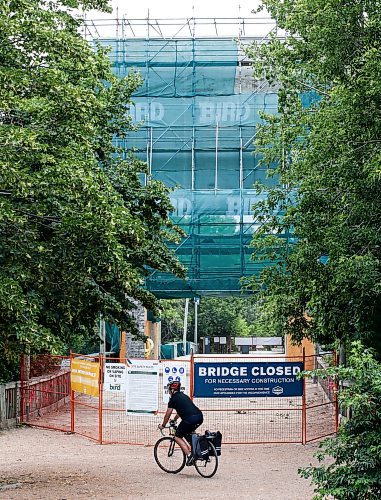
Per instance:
{"type": "Point", "coordinates": [3, 411]}
{"type": "Point", "coordinates": [336, 388]}
{"type": "Point", "coordinates": [100, 398]}
{"type": "Point", "coordinates": [191, 391]}
{"type": "Point", "coordinates": [304, 408]}
{"type": "Point", "coordinates": [22, 388]}
{"type": "Point", "coordinates": [72, 409]}
{"type": "Point", "coordinates": [24, 375]}
{"type": "Point", "coordinates": [18, 402]}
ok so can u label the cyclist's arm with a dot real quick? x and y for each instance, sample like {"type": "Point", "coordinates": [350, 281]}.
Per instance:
{"type": "Point", "coordinates": [167, 416]}
{"type": "Point", "coordinates": [176, 417]}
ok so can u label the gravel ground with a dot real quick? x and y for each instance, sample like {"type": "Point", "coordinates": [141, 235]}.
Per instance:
{"type": "Point", "coordinates": [43, 464]}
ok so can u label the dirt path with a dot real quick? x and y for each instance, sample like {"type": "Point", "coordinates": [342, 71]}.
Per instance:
{"type": "Point", "coordinates": [42, 464]}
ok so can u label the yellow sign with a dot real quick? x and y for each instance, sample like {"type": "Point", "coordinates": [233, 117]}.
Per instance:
{"type": "Point", "coordinates": [85, 377]}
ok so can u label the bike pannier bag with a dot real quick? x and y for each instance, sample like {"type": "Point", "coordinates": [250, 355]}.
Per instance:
{"type": "Point", "coordinates": [200, 447]}
{"type": "Point", "coordinates": [216, 439]}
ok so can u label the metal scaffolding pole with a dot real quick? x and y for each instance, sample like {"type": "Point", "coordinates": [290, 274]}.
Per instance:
{"type": "Point", "coordinates": [192, 160]}
{"type": "Point", "coordinates": [150, 152]}
{"type": "Point", "coordinates": [186, 93]}
{"type": "Point", "coordinates": [242, 248]}
{"type": "Point", "coordinates": [216, 164]}
{"type": "Point", "coordinates": [240, 159]}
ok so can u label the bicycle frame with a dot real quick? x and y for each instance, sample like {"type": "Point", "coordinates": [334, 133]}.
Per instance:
{"type": "Point", "coordinates": [198, 463]}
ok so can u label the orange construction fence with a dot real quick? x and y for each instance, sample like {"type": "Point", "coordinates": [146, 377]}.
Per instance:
{"type": "Point", "coordinates": [71, 396]}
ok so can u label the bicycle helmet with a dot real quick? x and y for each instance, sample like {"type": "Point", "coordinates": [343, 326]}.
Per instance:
{"type": "Point", "coordinates": [174, 386]}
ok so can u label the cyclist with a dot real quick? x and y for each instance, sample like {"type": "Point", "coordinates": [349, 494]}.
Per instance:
{"type": "Point", "coordinates": [191, 417]}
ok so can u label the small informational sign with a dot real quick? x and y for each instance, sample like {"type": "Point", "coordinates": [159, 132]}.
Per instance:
{"type": "Point", "coordinates": [222, 340]}
{"type": "Point", "coordinates": [115, 377]}
{"type": "Point", "coordinates": [84, 377]}
{"type": "Point", "coordinates": [65, 363]}
{"type": "Point", "coordinates": [142, 387]}
{"type": "Point", "coordinates": [238, 380]}
{"type": "Point", "coordinates": [216, 340]}
{"type": "Point", "coordinates": [173, 372]}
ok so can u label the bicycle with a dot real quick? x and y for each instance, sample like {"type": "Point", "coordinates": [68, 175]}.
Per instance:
{"type": "Point", "coordinates": [171, 458]}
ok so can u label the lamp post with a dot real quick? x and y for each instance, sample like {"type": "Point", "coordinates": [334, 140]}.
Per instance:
{"type": "Point", "coordinates": [185, 326]}
{"type": "Point", "coordinates": [196, 303]}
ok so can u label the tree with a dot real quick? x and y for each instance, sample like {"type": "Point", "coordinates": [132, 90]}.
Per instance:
{"type": "Point", "coordinates": [320, 225]}
{"type": "Point", "coordinates": [267, 322]}
{"type": "Point", "coordinates": [172, 319]}
{"type": "Point", "coordinates": [229, 316]}
{"type": "Point", "coordinates": [240, 328]}
{"type": "Point", "coordinates": [355, 471]}
{"type": "Point", "coordinates": [78, 228]}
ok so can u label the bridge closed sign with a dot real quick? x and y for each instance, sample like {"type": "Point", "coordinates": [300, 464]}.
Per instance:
{"type": "Point", "coordinates": [241, 380]}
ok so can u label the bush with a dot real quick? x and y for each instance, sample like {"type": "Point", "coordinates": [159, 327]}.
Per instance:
{"type": "Point", "coordinates": [356, 450]}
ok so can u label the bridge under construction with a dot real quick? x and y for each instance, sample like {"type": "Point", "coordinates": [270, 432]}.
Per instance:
{"type": "Point", "coordinates": [198, 110]}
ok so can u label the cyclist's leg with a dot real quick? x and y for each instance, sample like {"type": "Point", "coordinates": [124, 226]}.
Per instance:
{"type": "Point", "coordinates": [183, 445]}
{"type": "Point", "coordinates": [181, 431]}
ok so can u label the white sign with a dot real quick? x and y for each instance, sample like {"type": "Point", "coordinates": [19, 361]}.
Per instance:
{"type": "Point", "coordinates": [142, 390]}
{"type": "Point", "coordinates": [115, 377]}
{"type": "Point", "coordinates": [243, 341]}
{"type": "Point", "coordinates": [65, 363]}
{"type": "Point", "coordinates": [173, 372]}
{"type": "Point", "coordinates": [216, 340]}
{"type": "Point", "coordinates": [222, 340]}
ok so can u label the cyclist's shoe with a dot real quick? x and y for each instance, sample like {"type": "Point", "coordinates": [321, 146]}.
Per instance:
{"type": "Point", "coordinates": [190, 460]}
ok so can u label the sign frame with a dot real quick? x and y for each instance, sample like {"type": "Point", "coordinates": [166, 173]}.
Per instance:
{"type": "Point", "coordinates": [248, 379]}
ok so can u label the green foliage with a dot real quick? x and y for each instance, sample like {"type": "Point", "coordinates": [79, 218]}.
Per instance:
{"type": "Point", "coordinates": [355, 472]}
{"type": "Point", "coordinates": [240, 328]}
{"type": "Point", "coordinates": [172, 319]}
{"type": "Point", "coordinates": [267, 322]}
{"type": "Point", "coordinates": [231, 316]}
{"type": "Point", "coordinates": [325, 147]}
{"type": "Point", "coordinates": [217, 316]}
{"type": "Point", "coordinates": [78, 229]}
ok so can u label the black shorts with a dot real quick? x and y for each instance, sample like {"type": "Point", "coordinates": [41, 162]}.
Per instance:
{"type": "Point", "coordinates": [189, 425]}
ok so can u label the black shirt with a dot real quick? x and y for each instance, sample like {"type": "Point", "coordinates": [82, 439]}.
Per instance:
{"type": "Point", "coordinates": [183, 405]}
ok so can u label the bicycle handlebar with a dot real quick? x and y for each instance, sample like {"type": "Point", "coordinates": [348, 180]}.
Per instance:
{"type": "Point", "coordinates": [172, 425]}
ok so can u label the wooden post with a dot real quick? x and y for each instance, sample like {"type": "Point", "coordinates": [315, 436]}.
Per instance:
{"type": "Point", "coordinates": [123, 347]}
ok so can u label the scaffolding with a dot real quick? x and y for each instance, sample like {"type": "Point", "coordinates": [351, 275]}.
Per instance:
{"type": "Point", "coordinates": [198, 110]}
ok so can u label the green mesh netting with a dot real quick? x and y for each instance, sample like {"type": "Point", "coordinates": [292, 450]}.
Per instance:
{"type": "Point", "coordinates": [198, 117]}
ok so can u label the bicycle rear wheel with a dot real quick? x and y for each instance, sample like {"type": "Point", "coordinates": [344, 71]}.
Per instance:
{"type": "Point", "coordinates": [169, 456]}
{"type": "Point", "coordinates": [207, 467]}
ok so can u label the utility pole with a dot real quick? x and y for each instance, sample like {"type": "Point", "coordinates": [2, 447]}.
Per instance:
{"type": "Point", "coordinates": [102, 337]}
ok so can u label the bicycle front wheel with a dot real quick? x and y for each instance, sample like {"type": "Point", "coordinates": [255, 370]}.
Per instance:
{"type": "Point", "coordinates": [169, 456]}
{"type": "Point", "coordinates": [207, 467]}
